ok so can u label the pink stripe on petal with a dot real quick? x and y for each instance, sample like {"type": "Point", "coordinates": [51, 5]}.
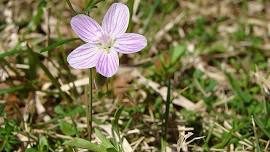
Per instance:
{"type": "Point", "coordinates": [83, 57]}
{"type": "Point", "coordinates": [107, 63]}
{"type": "Point", "coordinates": [86, 28]}
{"type": "Point", "coordinates": [115, 21]}
{"type": "Point", "coordinates": [130, 43]}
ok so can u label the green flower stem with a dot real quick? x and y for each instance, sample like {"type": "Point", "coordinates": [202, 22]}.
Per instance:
{"type": "Point", "coordinates": [89, 106]}
{"type": "Point", "coordinates": [70, 6]}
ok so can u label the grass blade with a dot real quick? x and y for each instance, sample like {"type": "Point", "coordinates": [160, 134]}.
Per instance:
{"type": "Point", "coordinates": [262, 127]}
{"type": "Point", "coordinates": [92, 4]}
{"type": "Point", "coordinates": [15, 50]}
{"type": "Point", "coordinates": [37, 18]}
{"type": "Point", "coordinates": [12, 89]}
{"type": "Point", "coordinates": [237, 89]}
{"type": "Point", "coordinates": [57, 44]}
{"type": "Point", "coordinates": [103, 139]}
{"type": "Point", "coordinates": [82, 143]}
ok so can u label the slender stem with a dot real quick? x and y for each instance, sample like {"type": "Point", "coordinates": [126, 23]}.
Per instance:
{"type": "Point", "coordinates": [70, 6]}
{"type": "Point", "coordinates": [166, 115]}
{"type": "Point", "coordinates": [89, 106]}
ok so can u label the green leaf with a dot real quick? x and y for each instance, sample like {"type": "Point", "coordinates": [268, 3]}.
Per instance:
{"type": "Point", "coordinates": [82, 143]}
{"type": "Point", "coordinates": [67, 128]}
{"type": "Point", "coordinates": [105, 142]}
{"type": "Point", "coordinates": [57, 44]}
{"type": "Point", "coordinates": [75, 111]}
{"type": "Point", "coordinates": [59, 110]}
{"type": "Point", "coordinates": [177, 52]}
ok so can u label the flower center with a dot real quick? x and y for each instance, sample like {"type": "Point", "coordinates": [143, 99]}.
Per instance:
{"type": "Point", "coordinates": [106, 43]}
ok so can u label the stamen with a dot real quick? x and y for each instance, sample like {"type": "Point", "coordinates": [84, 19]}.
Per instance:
{"type": "Point", "coordinates": [106, 43]}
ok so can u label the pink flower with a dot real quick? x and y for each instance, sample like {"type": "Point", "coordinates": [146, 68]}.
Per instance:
{"type": "Point", "coordinates": [104, 42]}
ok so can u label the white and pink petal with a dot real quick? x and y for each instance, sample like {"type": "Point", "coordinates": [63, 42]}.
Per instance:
{"type": "Point", "coordinates": [83, 57]}
{"type": "Point", "coordinates": [116, 19]}
{"type": "Point", "coordinates": [86, 28]}
{"type": "Point", "coordinates": [130, 43]}
{"type": "Point", "coordinates": [108, 63]}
